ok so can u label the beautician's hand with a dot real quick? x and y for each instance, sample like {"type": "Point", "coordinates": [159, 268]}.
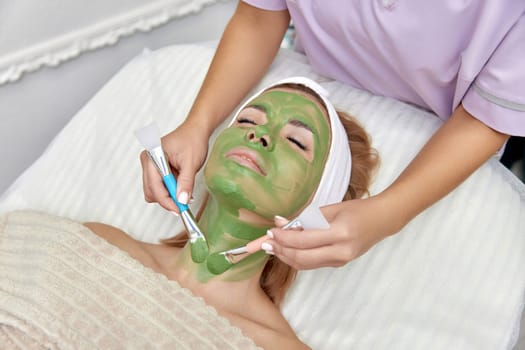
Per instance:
{"type": "Point", "coordinates": [460, 146]}
{"type": "Point", "coordinates": [186, 148]}
{"type": "Point", "coordinates": [355, 226]}
{"type": "Point", "coordinates": [244, 54]}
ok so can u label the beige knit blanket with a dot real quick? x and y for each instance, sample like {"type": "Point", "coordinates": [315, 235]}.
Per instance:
{"type": "Point", "coordinates": [62, 287]}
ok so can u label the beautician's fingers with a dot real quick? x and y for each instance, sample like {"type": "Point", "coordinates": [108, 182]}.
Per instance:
{"type": "Point", "coordinates": [280, 222]}
{"type": "Point", "coordinates": [186, 148]}
{"type": "Point", "coordinates": [186, 170]}
{"type": "Point", "coordinates": [306, 259]}
{"type": "Point", "coordinates": [355, 226]}
{"type": "Point", "coordinates": [153, 187]}
{"type": "Point", "coordinates": [306, 239]}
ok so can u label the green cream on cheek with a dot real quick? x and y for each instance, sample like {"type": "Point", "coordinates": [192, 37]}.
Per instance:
{"type": "Point", "coordinates": [293, 178]}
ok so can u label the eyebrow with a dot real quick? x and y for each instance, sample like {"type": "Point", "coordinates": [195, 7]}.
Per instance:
{"type": "Point", "coordinates": [294, 122]}
{"type": "Point", "coordinates": [298, 123]}
{"type": "Point", "coordinates": [260, 108]}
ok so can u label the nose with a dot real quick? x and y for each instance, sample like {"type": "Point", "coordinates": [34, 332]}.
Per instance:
{"type": "Point", "coordinates": [259, 137]}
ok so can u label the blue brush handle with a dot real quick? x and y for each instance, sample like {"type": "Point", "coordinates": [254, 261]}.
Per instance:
{"type": "Point", "coordinates": [171, 185]}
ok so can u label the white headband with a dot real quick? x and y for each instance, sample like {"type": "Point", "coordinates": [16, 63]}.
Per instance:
{"type": "Point", "coordinates": [336, 175]}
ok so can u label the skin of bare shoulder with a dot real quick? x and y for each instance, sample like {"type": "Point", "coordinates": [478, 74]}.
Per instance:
{"type": "Point", "coordinates": [273, 332]}
{"type": "Point", "coordinates": [125, 242]}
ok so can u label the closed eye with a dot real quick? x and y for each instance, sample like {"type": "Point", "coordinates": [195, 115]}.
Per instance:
{"type": "Point", "coordinates": [297, 143]}
{"type": "Point", "coordinates": [300, 138]}
{"type": "Point", "coordinates": [251, 116]}
{"type": "Point", "coordinates": [244, 120]}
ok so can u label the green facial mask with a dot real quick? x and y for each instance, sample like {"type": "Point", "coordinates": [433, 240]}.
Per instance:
{"type": "Point", "coordinates": [289, 179]}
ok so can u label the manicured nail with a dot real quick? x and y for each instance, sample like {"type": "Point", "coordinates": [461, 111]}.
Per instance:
{"type": "Point", "coordinates": [175, 213]}
{"type": "Point", "coordinates": [267, 247]}
{"type": "Point", "coordinates": [183, 198]}
{"type": "Point", "coordinates": [269, 233]}
{"type": "Point", "coordinates": [279, 217]}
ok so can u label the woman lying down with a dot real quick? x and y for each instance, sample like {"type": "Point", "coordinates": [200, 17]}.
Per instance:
{"type": "Point", "coordinates": [66, 285]}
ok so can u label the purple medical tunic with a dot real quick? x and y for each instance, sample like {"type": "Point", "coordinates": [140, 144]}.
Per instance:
{"type": "Point", "coordinates": [433, 54]}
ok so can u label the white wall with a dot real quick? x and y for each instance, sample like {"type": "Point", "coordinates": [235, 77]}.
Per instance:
{"type": "Point", "coordinates": [35, 108]}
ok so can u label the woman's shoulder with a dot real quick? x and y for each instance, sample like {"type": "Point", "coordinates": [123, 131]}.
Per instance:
{"type": "Point", "coordinates": [275, 339]}
{"type": "Point", "coordinates": [115, 236]}
{"type": "Point", "coordinates": [265, 324]}
{"type": "Point", "coordinates": [276, 336]}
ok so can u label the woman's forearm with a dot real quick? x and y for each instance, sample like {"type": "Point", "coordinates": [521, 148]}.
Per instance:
{"type": "Point", "coordinates": [246, 50]}
{"type": "Point", "coordinates": [454, 152]}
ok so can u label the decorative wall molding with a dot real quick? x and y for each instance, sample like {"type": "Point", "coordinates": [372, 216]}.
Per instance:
{"type": "Point", "coordinates": [108, 31]}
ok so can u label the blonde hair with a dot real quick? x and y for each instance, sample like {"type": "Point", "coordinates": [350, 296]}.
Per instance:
{"type": "Point", "coordinates": [277, 277]}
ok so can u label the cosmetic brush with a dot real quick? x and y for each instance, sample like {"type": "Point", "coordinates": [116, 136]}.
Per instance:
{"type": "Point", "coordinates": [219, 262]}
{"type": "Point", "coordinates": [149, 137]}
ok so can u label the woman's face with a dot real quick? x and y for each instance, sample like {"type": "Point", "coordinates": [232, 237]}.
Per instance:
{"type": "Point", "coordinates": [272, 157]}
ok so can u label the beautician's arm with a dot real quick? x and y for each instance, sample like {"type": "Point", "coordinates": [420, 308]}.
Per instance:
{"type": "Point", "coordinates": [455, 151]}
{"type": "Point", "coordinates": [247, 48]}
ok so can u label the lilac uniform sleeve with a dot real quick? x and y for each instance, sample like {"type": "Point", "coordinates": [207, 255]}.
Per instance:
{"type": "Point", "coordinates": [271, 5]}
{"type": "Point", "coordinates": [497, 96]}
{"type": "Point", "coordinates": [471, 55]}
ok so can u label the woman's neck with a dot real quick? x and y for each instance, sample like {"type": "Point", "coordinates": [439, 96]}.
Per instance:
{"type": "Point", "coordinates": [226, 228]}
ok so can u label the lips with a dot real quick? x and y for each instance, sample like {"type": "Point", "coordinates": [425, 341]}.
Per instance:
{"type": "Point", "coordinates": [246, 158]}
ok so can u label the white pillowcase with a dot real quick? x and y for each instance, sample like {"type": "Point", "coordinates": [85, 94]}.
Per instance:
{"type": "Point", "coordinates": [451, 279]}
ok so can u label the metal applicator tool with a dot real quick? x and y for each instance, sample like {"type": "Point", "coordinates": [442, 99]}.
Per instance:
{"type": "Point", "coordinates": [149, 137]}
